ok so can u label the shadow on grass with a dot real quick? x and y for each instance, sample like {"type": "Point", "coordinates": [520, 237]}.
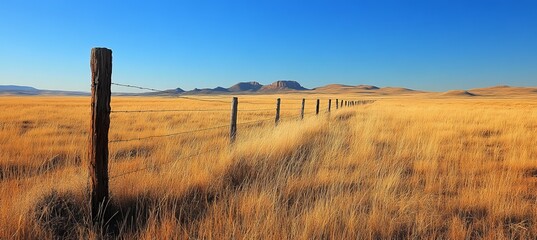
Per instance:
{"type": "Point", "coordinates": [64, 216]}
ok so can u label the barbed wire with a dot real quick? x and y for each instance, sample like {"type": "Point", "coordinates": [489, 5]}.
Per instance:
{"type": "Point", "coordinates": [137, 87]}
{"type": "Point", "coordinates": [158, 90]}
{"type": "Point", "coordinates": [193, 155]}
{"type": "Point", "coordinates": [169, 110]}
{"type": "Point", "coordinates": [199, 130]}
{"type": "Point", "coordinates": [203, 100]}
{"type": "Point", "coordinates": [166, 135]}
{"type": "Point", "coordinates": [189, 110]}
{"type": "Point", "coordinates": [255, 121]}
{"type": "Point", "coordinates": [164, 163]}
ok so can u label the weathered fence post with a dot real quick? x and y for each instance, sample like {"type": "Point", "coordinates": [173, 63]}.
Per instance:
{"type": "Point", "coordinates": [317, 108]}
{"type": "Point", "coordinates": [329, 104]}
{"type": "Point", "coordinates": [101, 80]}
{"type": "Point", "coordinates": [277, 111]}
{"type": "Point", "coordinates": [337, 103]}
{"type": "Point", "coordinates": [302, 109]}
{"type": "Point", "coordinates": [233, 124]}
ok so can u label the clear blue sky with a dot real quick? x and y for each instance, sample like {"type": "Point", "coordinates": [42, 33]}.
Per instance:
{"type": "Point", "coordinates": [430, 45]}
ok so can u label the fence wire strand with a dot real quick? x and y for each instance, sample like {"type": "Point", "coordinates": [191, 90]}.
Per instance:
{"type": "Point", "coordinates": [167, 135]}
{"type": "Point", "coordinates": [189, 110]}
{"type": "Point", "coordinates": [137, 87]}
{"type": "Point", "coordinates": [164, 163]}
{"type": "Point", "coordinates": [157, 90]}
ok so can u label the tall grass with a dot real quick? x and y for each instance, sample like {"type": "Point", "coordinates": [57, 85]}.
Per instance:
{"type": "Point", "coordinates": [398, 168]}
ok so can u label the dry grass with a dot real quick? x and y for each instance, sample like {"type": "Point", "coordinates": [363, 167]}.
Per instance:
{"type": "Point", "coordinates": [398, 168]}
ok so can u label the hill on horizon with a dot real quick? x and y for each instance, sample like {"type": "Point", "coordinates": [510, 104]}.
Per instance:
{"type": "Point", "coordinates": [458, 93]}
{"type": "Point", "coordinates": [282, 85]}
{"type": "Point", "coordinates": [504, 90]}
{"type": "Point", "coordinates": [245, 87]}
{"type": "Point", "coordinates": [364, 89]}
{"type": "Point", "coordinates": [286, 86]}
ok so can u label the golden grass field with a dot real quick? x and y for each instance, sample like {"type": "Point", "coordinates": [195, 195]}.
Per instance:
{"type": "Point", "coordinates": [402, 167]}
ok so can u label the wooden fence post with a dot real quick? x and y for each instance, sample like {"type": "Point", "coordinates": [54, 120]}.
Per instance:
{"type": "Point", "coordinates": [233, 124]}
{"type": "Point", "coordinates": [302, 109]}
{"type": "Point", "coordinates": [277, 111]}
{"type": "Point", "coordinates": [101, 80]}
{"type": "Point", "coordinates": [329, 104]}
{"type": "Point", "coordinates": [317, 108]}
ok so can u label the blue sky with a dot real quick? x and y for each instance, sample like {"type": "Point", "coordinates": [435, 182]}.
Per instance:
{"type": "Point", "coordinates": [431, 45]}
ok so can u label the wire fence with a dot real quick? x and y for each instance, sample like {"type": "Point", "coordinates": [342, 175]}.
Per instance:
{"type": "Point", "coordinates": [276, 119]}
{"type": "Point", "coordinates": [164, 91]}
{"type": "Point", "coordinates": [98, 144]}
{"type": "Point", "coordinates": [164, 163]}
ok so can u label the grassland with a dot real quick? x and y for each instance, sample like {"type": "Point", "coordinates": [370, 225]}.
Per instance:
{"type": "Point", "coordinates": [398, 168]}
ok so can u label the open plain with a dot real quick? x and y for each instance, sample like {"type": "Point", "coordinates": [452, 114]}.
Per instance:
{"type": "Point", "coordinates": [410, 166]}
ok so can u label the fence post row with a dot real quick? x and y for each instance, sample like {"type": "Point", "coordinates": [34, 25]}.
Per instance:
{"type": "Point", "coordinates": [101, 80]}
{"type": "Point", "coordinates": [302, 109]}
{"type": "Point", "coordinates": [98, 153]}
{"type": "Point", "coordinates": [277, 120]}
{"type": "Point", "coordinates": [233, 124]}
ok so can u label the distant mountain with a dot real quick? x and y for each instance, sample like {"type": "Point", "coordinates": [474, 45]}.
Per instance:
{"type": "Point", "coordinates": [504, 90]}
{"type": "Point", "coordinates": [458, 93]}
{"type": "Point", "coordinates": [293, 86]}
{"type": "Point", "coordinates": [367, 87]}
{"type": "Point", "coordinates": [363, 89]}
{"type": "Point", "coordinates": [282, 85]}
{"type": "Point", "coordinates": [169, 92]}
{"type": "Point", "coordinates": [397, 91]}
{"type": "Point", "coordinates": [245, 87]}
{"type": "Point", "coordinates": [332, 87]}
{"type": "Point", "coordinates": [216, 90]}
{"type": "Point", "coordinates": [19, 90]}
{"type": "Point", "coordinates": [25, 90]}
